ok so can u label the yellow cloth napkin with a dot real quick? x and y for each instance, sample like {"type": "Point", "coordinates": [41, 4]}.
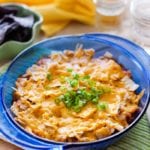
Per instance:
{"type": "Point", "coordinates": [58, 13]}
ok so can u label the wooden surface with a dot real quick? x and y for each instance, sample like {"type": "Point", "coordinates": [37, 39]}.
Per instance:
{"type": "Point", "coordinates": [123, 29]}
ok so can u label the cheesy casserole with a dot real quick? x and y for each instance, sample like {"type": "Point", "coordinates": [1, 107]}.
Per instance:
{"type": "Point", "coordinates": [74, 97]}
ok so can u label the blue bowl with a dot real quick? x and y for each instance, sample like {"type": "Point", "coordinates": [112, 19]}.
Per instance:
{"type": "Point", "coordinates": [131, 56]}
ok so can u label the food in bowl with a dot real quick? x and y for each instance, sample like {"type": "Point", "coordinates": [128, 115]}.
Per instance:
{"type": "Point", "coordinates": [14, 26]}
{"type": "Point", "coordinates": [75, 97]}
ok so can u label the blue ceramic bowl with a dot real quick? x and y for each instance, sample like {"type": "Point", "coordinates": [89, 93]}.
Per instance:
{"type": "Point", "coordinates": [128, 54]}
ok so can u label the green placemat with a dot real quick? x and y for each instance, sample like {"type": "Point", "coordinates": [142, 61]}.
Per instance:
{"type": "Point", "coordinates": [137, 138]}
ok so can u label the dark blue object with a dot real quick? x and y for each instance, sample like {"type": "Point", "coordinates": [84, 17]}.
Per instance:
{"type": "Point", "coordinates": [131, 56]}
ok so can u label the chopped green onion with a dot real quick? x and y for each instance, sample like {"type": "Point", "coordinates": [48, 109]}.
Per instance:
{"type": "Point", "coordinates": [69, 70]}
{"type": "Point", "coordinates": [88, 96]}
{"type": "Point", "coordinates": [102, 106]}
{"type": "Point", "coordinates": [86, 77]}
{"type": "Point", "coordinates": [61, 97]}
{"type": "Point", "coordinates": [81, 103]}
{"type": "Point", "coordinates": [73, 83]}
{"type": "Point", "coordinates": [95, 100]}
{"type": "Point", "coordinates": [49, 77]}
{"type": "Point", "coordinates": [76, 76]}
{"type": "Point", "coordinates": [76, 109]}
{"type": "Point", "coordinates": [91, 83]}
{"type": "Point", "coordinates": [76, 99]}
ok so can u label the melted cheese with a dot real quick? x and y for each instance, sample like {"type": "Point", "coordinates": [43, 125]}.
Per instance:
{"type": "Point", "coordinates": [36, 110]}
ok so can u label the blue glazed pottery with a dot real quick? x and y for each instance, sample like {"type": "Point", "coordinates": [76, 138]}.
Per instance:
{"type": "Point", "coordinates": [128, 54]}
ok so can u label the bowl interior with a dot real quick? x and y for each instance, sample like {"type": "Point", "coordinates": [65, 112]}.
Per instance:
{"type": "Point", "coordinates": [34, 53]}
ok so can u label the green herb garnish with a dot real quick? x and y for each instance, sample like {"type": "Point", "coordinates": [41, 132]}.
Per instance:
{"type": "Point", "coordinates": [73, 83]}
{"type": "Point", "coordinates": [76, 76]}
{"type": "Point", "coordinates": [69, 70]}
{"type": "Point", "coordinates": [86, 77]}
{"type": "Point", "coordinates": [91, 83]}
{"type": "Point", "coordinates": [102, 106]}
{"type": "Point", "coordinates": [95, 100]}
{"type": "Point", "coordinates": [75, 99]}
{"type": "Point", "coordinates": [49, 76]}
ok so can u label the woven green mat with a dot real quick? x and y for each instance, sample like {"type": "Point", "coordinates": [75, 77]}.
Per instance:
{"type": "Point", "coordinates": [137, 138]}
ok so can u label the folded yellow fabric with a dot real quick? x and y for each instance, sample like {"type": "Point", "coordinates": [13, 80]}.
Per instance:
{"type": "Point", "coordinates": [58, 13]}
{"type": "Point", "coordinates": [53, 27]}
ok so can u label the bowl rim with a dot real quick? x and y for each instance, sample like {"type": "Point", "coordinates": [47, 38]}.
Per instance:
{"type": "Point", "coordinates": [35, 24]}
{"type": "Point", "coordinates": [67, 144]}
